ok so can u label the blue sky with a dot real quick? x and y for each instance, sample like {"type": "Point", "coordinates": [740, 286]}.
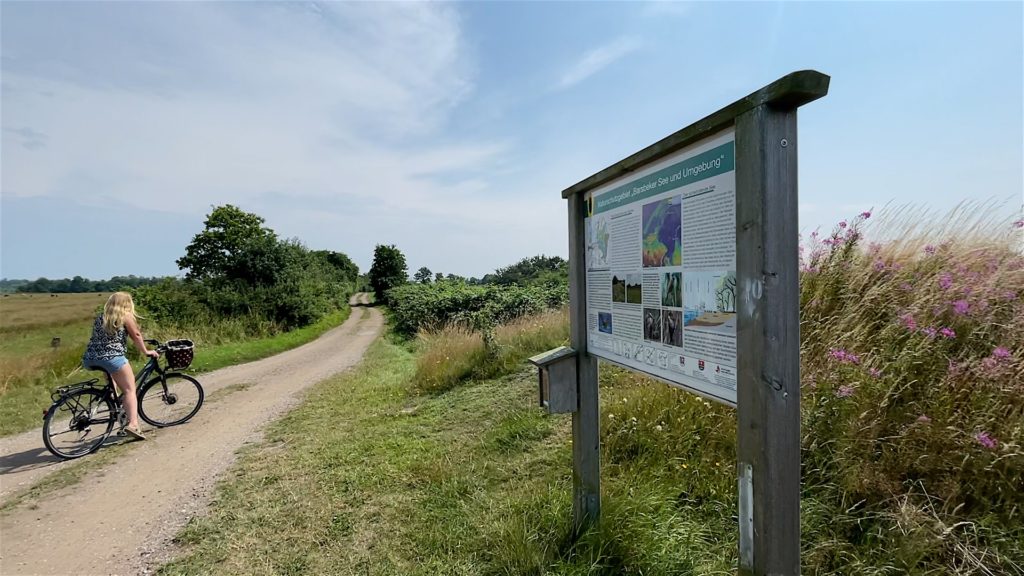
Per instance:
{"type": "Point", "coordinates": [450, 129]}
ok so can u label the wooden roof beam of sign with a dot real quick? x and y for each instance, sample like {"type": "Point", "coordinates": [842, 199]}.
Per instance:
{"type": "Point", "coordinates": [788, 92]}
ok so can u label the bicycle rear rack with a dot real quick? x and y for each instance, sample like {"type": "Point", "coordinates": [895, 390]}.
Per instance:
{"type": "Point", "coordinates": [65, 390]}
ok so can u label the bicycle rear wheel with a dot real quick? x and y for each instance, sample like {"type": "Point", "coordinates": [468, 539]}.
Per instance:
{"type": "Point", "coordinates": [170, 399]}
{"type": "Point", "coordinates": [78, 423]}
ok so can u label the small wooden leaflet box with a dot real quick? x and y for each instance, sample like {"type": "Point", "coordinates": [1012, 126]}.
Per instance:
{"type": "Point", "coordinates": [557, 379]}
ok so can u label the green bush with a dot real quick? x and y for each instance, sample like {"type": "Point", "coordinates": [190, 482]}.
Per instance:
{"type": "Point", "coordinates": [432, 307]}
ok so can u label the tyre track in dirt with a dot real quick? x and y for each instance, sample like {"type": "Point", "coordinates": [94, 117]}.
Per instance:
{"type": "Point", "coordinates": [120, 518]}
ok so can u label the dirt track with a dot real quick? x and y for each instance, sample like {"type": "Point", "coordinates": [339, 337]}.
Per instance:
{"type": "Point", "coordinates": [120, 518]}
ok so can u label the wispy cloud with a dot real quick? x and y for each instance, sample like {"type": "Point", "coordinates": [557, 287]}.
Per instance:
{"type": "Point", "coordinates": [281, 97]}
{"type": "Point", "coordinates": [278, 107]}
{"type": "Point", "coordinates": [598, 59]}
{"type": "Point", "coordinates": [30, 139]}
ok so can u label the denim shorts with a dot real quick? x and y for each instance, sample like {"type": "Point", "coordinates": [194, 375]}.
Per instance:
{"type": "Point", "coordinates": [110, 365]}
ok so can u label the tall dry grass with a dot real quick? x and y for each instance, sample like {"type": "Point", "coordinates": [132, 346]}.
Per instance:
{"type": "Point", "coordinates": [456, 353]}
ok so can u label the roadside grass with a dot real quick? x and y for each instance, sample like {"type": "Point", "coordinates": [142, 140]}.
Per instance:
{"type": "Point", "coordinates": [366, 477]}
{"type": "Point", "coordinates": [456, 354]}
{"type": "Point", "coordinates": [28, 378]}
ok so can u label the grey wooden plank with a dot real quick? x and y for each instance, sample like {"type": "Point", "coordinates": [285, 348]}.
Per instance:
{"type": "Point", "coordinates": [768, 335]}
{"type": "Point", "coordinates": [788, 92]}
{"type": "Point", "coordinates": [552, 355]}
{"type": "Point", "coordinates": [586, 439]}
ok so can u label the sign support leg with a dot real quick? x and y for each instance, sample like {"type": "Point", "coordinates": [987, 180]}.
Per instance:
{"type": "Point", "coordinates": [768, 341]}
{"type": "Point", "coordinates": [586, 425]}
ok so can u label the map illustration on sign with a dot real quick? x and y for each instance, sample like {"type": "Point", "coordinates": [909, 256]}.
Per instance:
{"type": "Point", "coordinates": [597, 242]}
{"type": "Point", "coordinates": [663, 238]}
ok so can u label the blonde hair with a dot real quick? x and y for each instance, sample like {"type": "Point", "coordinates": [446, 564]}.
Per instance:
{"type": "Point", "coordinates": [118, 307]}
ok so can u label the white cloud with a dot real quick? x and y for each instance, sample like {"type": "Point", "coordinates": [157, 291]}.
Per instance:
{"type": "Point", "coordinates": [598, 59]}
{"type": "Point", "coordinates": [177, 106]}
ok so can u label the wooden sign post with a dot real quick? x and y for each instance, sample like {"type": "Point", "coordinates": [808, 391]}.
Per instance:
{"type": "Point", "coordinates": [733, 333]}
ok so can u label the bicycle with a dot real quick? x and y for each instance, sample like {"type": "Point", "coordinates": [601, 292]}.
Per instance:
{"type": "Point", "coordinates": [166, 399]}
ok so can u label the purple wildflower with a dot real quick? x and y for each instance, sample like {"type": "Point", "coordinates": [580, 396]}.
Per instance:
{"type": "Point", "coordinates": [874, 247]}
{"type": "Point", "coordinates": [947, 333]}
{"type": "Point", "coordinates": [875, 372]}
{"type": "Point", "coordinates": [844, 391]}
{"type": "Point", "coordinates": [929, 249]}
{"type": "Point", "coordinates": [945, 280]}
{"type": "Point", "coordinates": [986, 440]}
{"type": "Point", "coordinates": [879, 265]}
{"type": "Point", "coordinates": [923, 419]}
{"type": "Point", "coordinates": [1001, 353]}
{"type": "Point", "coordinates": [865, 214]}
{"type": "Point", "coordinates": [842, 223]}
{"type": "Point", "coordinates": [844, 356]}
{"type": "Point", "coordinates": [1019, 223]}
{"type": "Point", "coordinates": [908, 320]}
{"type": "Point", "coordinates": [961, 306]}
{"type": "Point", "coordinates": [929, 332]}
{"type": "Point", "coordinates": [906, 286]}
{"type": "Point", "coordinates": [1009, 295]}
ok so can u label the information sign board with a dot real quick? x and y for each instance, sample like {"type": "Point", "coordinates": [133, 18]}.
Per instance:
{"type": "Point", "coordinates": [661, 269]}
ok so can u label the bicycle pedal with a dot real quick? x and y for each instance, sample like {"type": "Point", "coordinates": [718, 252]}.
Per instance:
{"type": "Point", "coordinates": [122, 433]}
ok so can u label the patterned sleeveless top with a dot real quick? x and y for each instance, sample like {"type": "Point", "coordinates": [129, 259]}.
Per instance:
{"type": "Point", "coordinates": [103, 345]}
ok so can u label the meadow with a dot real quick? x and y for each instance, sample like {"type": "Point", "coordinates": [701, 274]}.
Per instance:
{"type": "Point", "coordinates": [31, 366]}
{"type": "Point", "coordinates": [437, 460]}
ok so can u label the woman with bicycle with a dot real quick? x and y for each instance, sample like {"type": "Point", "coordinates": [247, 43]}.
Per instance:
{"type": "Point", "coordinates": [107, 351]}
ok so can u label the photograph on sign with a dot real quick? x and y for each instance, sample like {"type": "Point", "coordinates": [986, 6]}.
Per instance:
{"type": "Point", "coordinates": [661, 269]}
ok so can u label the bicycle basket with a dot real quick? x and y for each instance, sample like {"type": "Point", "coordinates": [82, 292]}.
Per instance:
{"type": "Point", "coordinates": [179, 353]}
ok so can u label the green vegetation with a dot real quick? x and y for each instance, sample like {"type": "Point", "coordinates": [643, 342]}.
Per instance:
{"type": "Point", "coordinates": [387, 271]}
{"type": "Point", "coordinates": [76, 285]}
{"type": "Point", "coordinates": [31, 369]}
{"type": "Point", "coordinates": [912, 434]}
{"type": "Point", "coordinates": [432, 307]}
{"type": "Point", "coordinates": [239, 269]}
{"type": "Point", "coordinates": [247, 294]}
{"type": "Point", "coordinates": [531, 271]}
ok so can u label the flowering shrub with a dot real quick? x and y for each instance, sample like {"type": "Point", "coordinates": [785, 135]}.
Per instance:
{"type": "Point", "coordinates": [911, 391]}
{"type": "Point", "coordinates": [912, 367]}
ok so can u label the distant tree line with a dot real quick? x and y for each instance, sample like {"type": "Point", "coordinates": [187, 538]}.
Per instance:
{"type": "Point", "coordinates": [529, 271]}
{"type": "Point", "coordinates": [77, 284]}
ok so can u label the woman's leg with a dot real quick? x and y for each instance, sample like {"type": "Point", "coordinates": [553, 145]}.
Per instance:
{"type": "Point", "coordinates": [124, 378]}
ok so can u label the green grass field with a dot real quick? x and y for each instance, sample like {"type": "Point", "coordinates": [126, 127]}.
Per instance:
{"type": "Point", "coordinates": [30, 368]}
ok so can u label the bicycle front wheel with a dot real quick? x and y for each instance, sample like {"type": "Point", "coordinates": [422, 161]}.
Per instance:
{"type": "Point", "coordinates": [78, 423]}
{"type": "Point", "coordinates": [170, 399]}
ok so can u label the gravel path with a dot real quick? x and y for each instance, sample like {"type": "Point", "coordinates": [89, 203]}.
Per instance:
{"type": "Point", "coordinates": [120, 518]}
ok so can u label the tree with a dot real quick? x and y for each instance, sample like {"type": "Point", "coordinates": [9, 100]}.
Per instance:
{"type": "Point", "coordinates": [534, 270]}
{"type": "Point", "coordinates": [439, 277]}
{"type": "Point", "coordinates": [343, 267]}
{"type": "Point", "coordinates": [422, 275]}
{"type": "Point", "coordinates": [387, 271]}
{"type": "Point", "coordinates": [234, 245]}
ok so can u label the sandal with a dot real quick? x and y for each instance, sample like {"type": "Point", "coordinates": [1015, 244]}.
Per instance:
{"type": "Point", "coordinates": [135, 432]}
